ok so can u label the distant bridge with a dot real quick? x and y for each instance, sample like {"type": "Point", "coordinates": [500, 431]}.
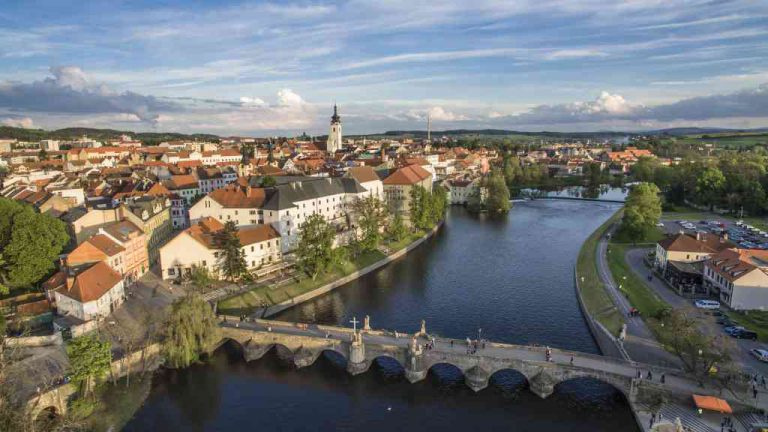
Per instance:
{"type": "Point", "coordinates": [305, 343]}
{"type": "Point", "coordinates": [578, 199]}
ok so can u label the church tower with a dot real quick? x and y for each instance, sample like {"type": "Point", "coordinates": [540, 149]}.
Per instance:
{"type": "Point", "coordinates": [334, 136]}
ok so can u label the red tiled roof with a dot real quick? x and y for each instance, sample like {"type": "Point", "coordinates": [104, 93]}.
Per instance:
{"type": "Point", "coordinates": [238, 196]}
{"type": "Point", "coordinates": [407, 175]}
{"type": "Point", "coordinates": [363, 174]}
{"type": "Point", "coordinates": [92, 283]}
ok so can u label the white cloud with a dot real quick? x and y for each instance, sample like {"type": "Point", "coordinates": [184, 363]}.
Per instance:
{"type": "Point", "coordinates": [574, 53]}
{"type": "Point", "coordinates": [435, 113]}
{"type": "Point", "coordinates": [24, 122]}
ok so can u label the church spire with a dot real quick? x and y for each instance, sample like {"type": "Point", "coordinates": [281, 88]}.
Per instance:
{"type": "Point", "coordinates": [335, 118]}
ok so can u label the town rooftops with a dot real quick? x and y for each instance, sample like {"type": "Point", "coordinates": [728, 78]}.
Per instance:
{"type": "Point", "coordinates": [732, 264]}
{"type": "Point", "coordinates": [123, 230]}
{"type": "Point", "coordinates": [185, 181]}
{"type": "Point", "coordinates": [363, 174]}
{"type": "Point", "coordinates": [92, 283]}
{"type": "Point", "coordinates": [238, 196]}
{"type": "Point", "coordinates": [702, 243]}
{"type": "Point", "coordinates": [105, 244]}
{"type": "Point", "coordinates": [408, 175]}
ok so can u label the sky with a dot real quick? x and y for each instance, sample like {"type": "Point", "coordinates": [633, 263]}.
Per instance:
{"type": "Point", "coordinates": [276, 68]}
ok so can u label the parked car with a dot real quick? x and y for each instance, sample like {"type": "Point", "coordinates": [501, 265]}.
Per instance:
{"type": "Point", "coordinates": [733, 329]}
{"type": "Point", "coordinates": [660, 224]}
{"type": "Point", "coordinates": [725, 321]}
{"type": "Point", "coordinates": [707, 304]}
{"type": "Point", "coordinates": [759, 354]}
{"type": "Point", "coordinates": [745, 334]}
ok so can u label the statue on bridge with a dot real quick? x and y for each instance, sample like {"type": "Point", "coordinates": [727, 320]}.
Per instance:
{"type": "Point", "coordinates": [423, 330]}
{"type": "Point", "coordinates": [367, 323]}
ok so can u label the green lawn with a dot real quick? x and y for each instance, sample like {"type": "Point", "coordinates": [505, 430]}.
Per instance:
{"type": "Point", "coordinates": [756, 321]}
{"type": "Point", "coordinates": [253, 299]}
{"type": "Point", "coordinates": [597, 301]}
{"type": "Point", "coordinates": [634, 288]}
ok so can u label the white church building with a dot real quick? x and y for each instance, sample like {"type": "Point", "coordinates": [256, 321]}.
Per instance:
{"type": "Point", "coordinates": [334, 135]}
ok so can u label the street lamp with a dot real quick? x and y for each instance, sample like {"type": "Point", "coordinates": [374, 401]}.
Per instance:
{"type": "Point", "coordinates": [479, 332]}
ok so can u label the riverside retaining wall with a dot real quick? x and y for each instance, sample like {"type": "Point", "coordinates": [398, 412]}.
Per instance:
{"type": "Point", "coordinates": [287, 304]}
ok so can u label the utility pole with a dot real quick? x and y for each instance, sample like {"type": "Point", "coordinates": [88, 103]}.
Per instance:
{"type": "Point", "coordinates": [429, 128]}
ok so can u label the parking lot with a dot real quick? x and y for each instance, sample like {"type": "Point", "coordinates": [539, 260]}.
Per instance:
{"type": "Point", "coordinates": [744, 235]}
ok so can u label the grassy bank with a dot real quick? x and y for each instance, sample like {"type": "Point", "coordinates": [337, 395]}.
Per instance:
{"type": "Point", "coordinates": [597, 301]}
{"type": "Point", "coordinates": [634, 288]}
{"type": "Point", "coordinates": [270, 295]}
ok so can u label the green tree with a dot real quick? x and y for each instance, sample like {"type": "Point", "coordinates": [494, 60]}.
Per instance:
{"type": "Point", "coordinates": [30, 243]}
{"type": "Point", "coordinates": [190, 331]}
{"type": "Point", "coordinates": [709, 186]}
{"type": "Point", "coordinates": [698, 352]}
{"type": "Point", "coordinates": [268, 181]}
{"type": "Point", "coordinates": [200, 277]}
{"type": "Point", "coordinates": [231, 263]}
{"type": "Point", "coordinates": [419, 207]}
{"type": "Point", "coordinates": [89, 360]}
{"type": "Point", "coordinates": [371, 215]}
{"type": "Point", "coordinates": [397, 229]}
{"type": "Point", "coordinates": [644, 169]}
{"type": "Point", "coordinates": [641, 211]}
{"type": "Point", "coordinates": [498, 195]}
{"type": "Point", "coordinates": [438, 204]}
{"type": "Point", "coordinates": [315, 248]}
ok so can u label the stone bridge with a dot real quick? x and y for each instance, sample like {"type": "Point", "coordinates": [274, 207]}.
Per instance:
{"type": "Point", "coordinates": [306, 343]}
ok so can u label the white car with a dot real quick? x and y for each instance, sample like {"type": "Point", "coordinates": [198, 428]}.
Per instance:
{"type": "Point", "coordinates": [660, 224]}
{"type": "Point", "coordinates": [760, 354]}
{"type": "Point", "coordinates": [707, 304]}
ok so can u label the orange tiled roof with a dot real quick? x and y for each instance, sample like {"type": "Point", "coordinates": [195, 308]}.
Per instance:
{"type": "Point", "coordinates": [92, 283]}
{"type": "Point", "coordinates": [238, 196]}
{"type": "Point", "coordinates": [407, 175]}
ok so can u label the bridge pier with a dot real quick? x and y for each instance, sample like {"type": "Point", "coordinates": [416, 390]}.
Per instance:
{"type": "Point", "coordinates": [304, 357]}
{"type": "Point", "coordinates": [357, 363]}
{"type": "Point", "coordinates": [542, 385]}
{"type": "Point", "coordinates": [477, 378]}
{"type": "Point", "coordinates": [415, 369]}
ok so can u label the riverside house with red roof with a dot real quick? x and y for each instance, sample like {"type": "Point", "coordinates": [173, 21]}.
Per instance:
{"type": "Point", "coordinates": [398, 186]}
{"type": "Point", "coordinates": [197, 246]}
{"type": "Point", "coordinates": [89, 293]}
{"type": "Point", "coordinates": [739, 277]}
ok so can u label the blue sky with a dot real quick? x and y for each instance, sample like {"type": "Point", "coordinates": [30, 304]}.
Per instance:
{"type": "Point", "coordinates": [277, 67]}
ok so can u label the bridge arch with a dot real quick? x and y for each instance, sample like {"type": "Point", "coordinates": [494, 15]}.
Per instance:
{"type": "Point", "coordinates": [446, 374]}
{"type": "Point", "coordinates": [388, 365]}
{"type": "Point", "coordinates": [571, 376]}
{"type": "Point", "coordinates": [509, 380]}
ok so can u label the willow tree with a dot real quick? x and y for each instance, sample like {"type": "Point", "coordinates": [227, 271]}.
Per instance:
{"type": "Point", "coordinates": [498, 195]}
{"type": "Point", "coordinates": [191, 330]}
{"type": "Point", "coordinates": [89, 360]}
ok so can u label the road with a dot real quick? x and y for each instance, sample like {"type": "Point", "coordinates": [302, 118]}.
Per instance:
{"type": "Point", "coordinates": [640, 343]}
{"type": "Point", "coordinates": [707, 324]}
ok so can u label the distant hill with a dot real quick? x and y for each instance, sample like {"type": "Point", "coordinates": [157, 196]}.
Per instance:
{"type": "Point", "coordinates": [701, 131]}
{"type": "Point", "coordinates": [148, 138]}
{"type": "Point", "coordinates": [503, 132]}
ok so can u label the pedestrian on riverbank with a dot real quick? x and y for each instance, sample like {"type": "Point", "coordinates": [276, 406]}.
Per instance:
{"type": "Point", "coordinates": [451, 343]}
{"type": "Point", "coordinates": [639, 374]}
{"type": "Point", "coordinates": [650, 376]}
{"type": "Point", "coordinates": [754, 392]}
{"type": "Point", "coordinates": [663, 378]}
{"type": "Point", "coordinates": [571, 360]}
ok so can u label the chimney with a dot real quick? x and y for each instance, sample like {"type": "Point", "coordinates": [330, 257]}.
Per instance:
{"type": "Point", "coordinates": [724, 237]}
{"type": "Point", "coordinates": [698, 235]}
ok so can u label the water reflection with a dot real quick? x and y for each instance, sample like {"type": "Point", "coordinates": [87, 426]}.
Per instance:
{"type": "Point", "coordinates": [511, 278]}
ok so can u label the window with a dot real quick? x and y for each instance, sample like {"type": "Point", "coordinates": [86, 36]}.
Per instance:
{"type": "Point", "coordinates": [171, 271]}
{"type": "Point", "coordinates": [252, 248]}
{"type": "Point", "coordinates": [205, 264]}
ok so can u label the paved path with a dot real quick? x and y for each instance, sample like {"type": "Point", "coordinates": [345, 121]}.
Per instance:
{"type": "Point", "coordinates": [640, 343]}
{"type": "Point", "coordinates": [676, 382]}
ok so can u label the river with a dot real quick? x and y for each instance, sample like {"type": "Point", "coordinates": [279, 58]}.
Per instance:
{"type": "Point", "coordinates": [510, 279]}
